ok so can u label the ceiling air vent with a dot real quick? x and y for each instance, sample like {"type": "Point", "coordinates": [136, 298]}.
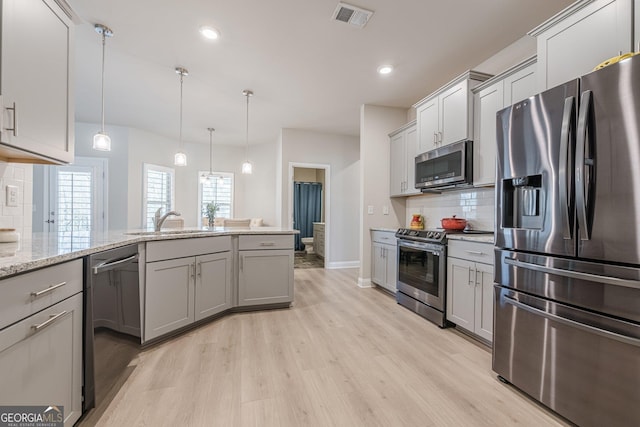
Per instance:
{"type": "Point", "coordinates": [353, 15]}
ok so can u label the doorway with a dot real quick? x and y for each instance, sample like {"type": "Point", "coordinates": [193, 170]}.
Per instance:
{"type": "Point", "coordinates": [308, 203]}
{"type": "Point", "coordinates": [73, 202]}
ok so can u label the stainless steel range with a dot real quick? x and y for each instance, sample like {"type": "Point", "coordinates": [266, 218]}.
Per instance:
{"type": "Point", "coordinates": [422, 266]}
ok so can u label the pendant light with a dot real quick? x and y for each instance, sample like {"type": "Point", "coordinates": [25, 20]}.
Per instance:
{"type": "Point", "coordinates": [247, 167]}
{"type": "Point", "coordinates": [180, 159]}
{"type": "Point", "coordinates": [101, 140]}
{"type": "Point", "coordinates": [208, 177]}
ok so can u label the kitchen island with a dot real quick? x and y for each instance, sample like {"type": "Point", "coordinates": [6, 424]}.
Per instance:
{"type": "Point", "coordinates": [177, 280]}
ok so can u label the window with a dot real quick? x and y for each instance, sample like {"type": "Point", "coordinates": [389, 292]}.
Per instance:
{"type": "Point", "coordinates": [158, 192]}
{"type": "Point", "coordinates": [217, 190]}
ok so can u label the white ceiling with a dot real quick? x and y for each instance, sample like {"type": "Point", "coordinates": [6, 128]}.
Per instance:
{"type": "Point", "coordinates": [307, 71]}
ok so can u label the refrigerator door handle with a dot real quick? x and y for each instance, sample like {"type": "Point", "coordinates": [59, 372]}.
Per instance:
{"type": "Point", "coordinates": [565, 167]}
{"type": "Point", "coordinates": [627, 283]}
{"type": "Point", "coordinates": [581, 184]}
{"type": "Point", "coordinates": [572, 323]}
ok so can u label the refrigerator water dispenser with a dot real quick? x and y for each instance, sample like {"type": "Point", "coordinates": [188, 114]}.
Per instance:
{"type": "Point", "coordinates": [523, 202]}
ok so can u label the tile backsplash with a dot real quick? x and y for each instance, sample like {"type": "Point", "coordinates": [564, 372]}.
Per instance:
{"type": "Point", "coordinates": [476, 205]}
{"type": "Point", "coordinates": [20, 216]}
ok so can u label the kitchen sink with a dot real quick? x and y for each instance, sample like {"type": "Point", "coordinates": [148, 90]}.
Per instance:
{"type": "Point", "coordinates": [169, 232]}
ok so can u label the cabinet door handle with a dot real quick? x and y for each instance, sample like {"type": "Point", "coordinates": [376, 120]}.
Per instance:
{"type": "Point", "coordinates": [435, 138]}
{"type": "Point", "coordinates": [192, 268]}
{"type": "Point", "coordinates": [471, 278]}
{"type": "Point", "coordinates": [199, 269]}
{"type": "Point", "coordinates": [241, 262]}
{"type": "Point", "coordinates": [267, 243]}
{"type": "Point", "coordinates": [477, 281]}
{"type": "Point", "coordinates": [14, 129]}
{"type": "Point", "coordinates": [46, 291]}
{"type": "Point", "coordinates": [440, 137]}
{"type": "Point", "coordinates": [49, 321]}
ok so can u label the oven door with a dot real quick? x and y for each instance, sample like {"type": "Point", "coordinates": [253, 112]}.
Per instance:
{"type": "Point", "coordinates": [421, 272]}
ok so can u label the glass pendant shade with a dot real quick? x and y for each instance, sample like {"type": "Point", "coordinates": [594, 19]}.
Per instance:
{"type": "Point", "coordinates": [180, 159]}
{"type": "Point", "coordinates": [247, 168]}
{"type": "Point", "coordinates": [101, 142]}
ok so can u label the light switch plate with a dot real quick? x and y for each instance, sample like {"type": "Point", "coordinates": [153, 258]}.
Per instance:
{"type": "Point", "coordinates": [370, 210]}
{"type": "Point", "coordinates": [385, 210]}
{"type": "Point", "coordinates": [12, 196]}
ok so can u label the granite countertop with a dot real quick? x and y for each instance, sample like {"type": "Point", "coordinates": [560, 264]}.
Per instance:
{"type": "Point", "coordinates": [480, 238]}
{"type": "Point", "coordinates": [42, 249]}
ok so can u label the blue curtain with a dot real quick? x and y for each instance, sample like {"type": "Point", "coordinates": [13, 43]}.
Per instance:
{"type": "Point", "coordinates": [307, 203]}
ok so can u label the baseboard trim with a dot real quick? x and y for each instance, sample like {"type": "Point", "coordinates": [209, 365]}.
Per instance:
{"type": "Point", "coordinates": [343, 264]}
{"type": "Point", "coordinates": [364, 283]}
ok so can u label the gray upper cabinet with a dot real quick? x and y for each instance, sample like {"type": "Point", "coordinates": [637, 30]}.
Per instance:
{"type": "Point", "coordinates": [509, 87]}
{"type": "Point", "coordinates": [580, 37]}
{"type": "Point", "coordinates": [446, 115]}
{"type": "Point", "coordinates": [36, 82]}
{"type": "Point", "coordinates": [403, 147]}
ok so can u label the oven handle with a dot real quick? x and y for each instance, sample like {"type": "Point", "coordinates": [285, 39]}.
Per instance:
{"type": "Point", "coordinates": [572, 323]}
{"type": "Point", "coordinates": [422, 247]}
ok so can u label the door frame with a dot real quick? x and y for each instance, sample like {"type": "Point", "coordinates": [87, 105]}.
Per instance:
{"type": "Point", "coordinates": [327, 202]}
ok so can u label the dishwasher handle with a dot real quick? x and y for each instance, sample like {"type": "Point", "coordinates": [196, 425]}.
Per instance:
{"type": "Point", "coordinates": [111, 264]}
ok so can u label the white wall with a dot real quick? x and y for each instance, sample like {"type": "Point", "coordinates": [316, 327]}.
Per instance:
{"type": "Point", "coordinates": [257, 198]}
{"type": "Point", "coordinates": [375, 125]}
{"type": "Point", "coordinates": [341, 153]}
{"type": "Point", "coordinates": [118, 172]}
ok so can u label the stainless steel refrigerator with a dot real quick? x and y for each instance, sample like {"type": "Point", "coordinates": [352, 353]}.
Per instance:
{"type": "Point", "coordinates": [567, 292]}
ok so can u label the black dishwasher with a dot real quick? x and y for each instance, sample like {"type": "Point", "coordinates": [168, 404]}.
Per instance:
{"type": "Point", "coordinates": [111, 303]}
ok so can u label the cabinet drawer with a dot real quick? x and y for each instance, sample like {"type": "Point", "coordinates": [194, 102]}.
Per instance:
{"type": "Point", "coordinates": [180, 248]}
{"type": "Point", "coordinates": [472, 251]}
{"type": "Point", "coordinates": [387, 237]}
{"type": "Point", "coordinates": [31, 292]}
{"type": "Point", "coordinates": [266, 241]}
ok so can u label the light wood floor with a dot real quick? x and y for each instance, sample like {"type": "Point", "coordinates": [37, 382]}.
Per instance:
{"type": "Point", "coordinates": [341, 356]}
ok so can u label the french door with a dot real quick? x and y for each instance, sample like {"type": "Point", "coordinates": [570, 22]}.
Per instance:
{"type": "Point", "coordinates": [75, 202]}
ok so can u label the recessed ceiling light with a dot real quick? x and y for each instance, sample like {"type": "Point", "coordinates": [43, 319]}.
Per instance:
{"type": "Point", "coordinates": [209, 32]}
{"type": "Point", "coordinates": [385, 69]}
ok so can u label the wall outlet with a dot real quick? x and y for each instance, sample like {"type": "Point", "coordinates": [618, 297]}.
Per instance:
{"type": "Point", "coordinates": [385, 210]}
{"type": "Point", "coordinates": [370, 209]}
{"type": "Point", "coordinates": [12, 196]}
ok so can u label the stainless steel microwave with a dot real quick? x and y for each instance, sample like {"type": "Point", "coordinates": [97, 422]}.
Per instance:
{"type": "Point", "coordinates": [445, 167]}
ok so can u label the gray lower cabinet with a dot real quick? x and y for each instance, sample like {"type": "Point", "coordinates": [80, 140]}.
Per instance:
{"type": "Point", "coordinates": [265, 270]}
{"type": "Point", "coordinates": [384, 263]}
{"type": "Point", "coordinates": [213, 284]}
{"type": "Point", "coordinates": [470, 287]}
{"type": "Point", "coordinates": [181, 291]}
{"type": "Point", "coordinates": [169, 301]}
{"type": "Point", "coordinates": [41, 353]}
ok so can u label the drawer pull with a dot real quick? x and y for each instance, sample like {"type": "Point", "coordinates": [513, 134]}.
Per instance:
{"type": "Point", "coordinates": [46, 291]}
{"type": "Point", "coordinates": [46, 323]}
{"type": "Point", "coordinates": [267, 243]}
{"type": "Point", "coordinates": [475, 253]}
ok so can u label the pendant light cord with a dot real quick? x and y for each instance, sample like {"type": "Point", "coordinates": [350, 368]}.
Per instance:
{"type": "Point", "coordinates": [246, 152]}
{"type": "Point", "coordinates": [102, 94]}
{"type": "Point", "coordinates": [181, 79]}
{"type": "Point", "coordinates": [210, 151]}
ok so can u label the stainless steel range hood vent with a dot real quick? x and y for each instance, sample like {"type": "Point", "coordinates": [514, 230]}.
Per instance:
{"type": "Point", "coordinates": [350, 14]}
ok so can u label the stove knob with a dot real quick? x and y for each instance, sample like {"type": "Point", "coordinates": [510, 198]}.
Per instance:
{"type": "Point", "coordinates": [437, 235]}
{"type": "Point", "coordinates": [430, 234]}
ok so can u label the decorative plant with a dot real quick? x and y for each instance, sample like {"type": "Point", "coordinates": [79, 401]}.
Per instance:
{"type": "Point", "coordinates": [210, 211]}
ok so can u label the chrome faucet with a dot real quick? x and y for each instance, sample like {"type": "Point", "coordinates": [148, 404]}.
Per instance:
{"type": "Point", "coordinates": [159, 219]}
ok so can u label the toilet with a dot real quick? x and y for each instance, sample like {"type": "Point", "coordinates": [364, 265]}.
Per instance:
{"type": "Point", "coordinates": [308, 244]}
